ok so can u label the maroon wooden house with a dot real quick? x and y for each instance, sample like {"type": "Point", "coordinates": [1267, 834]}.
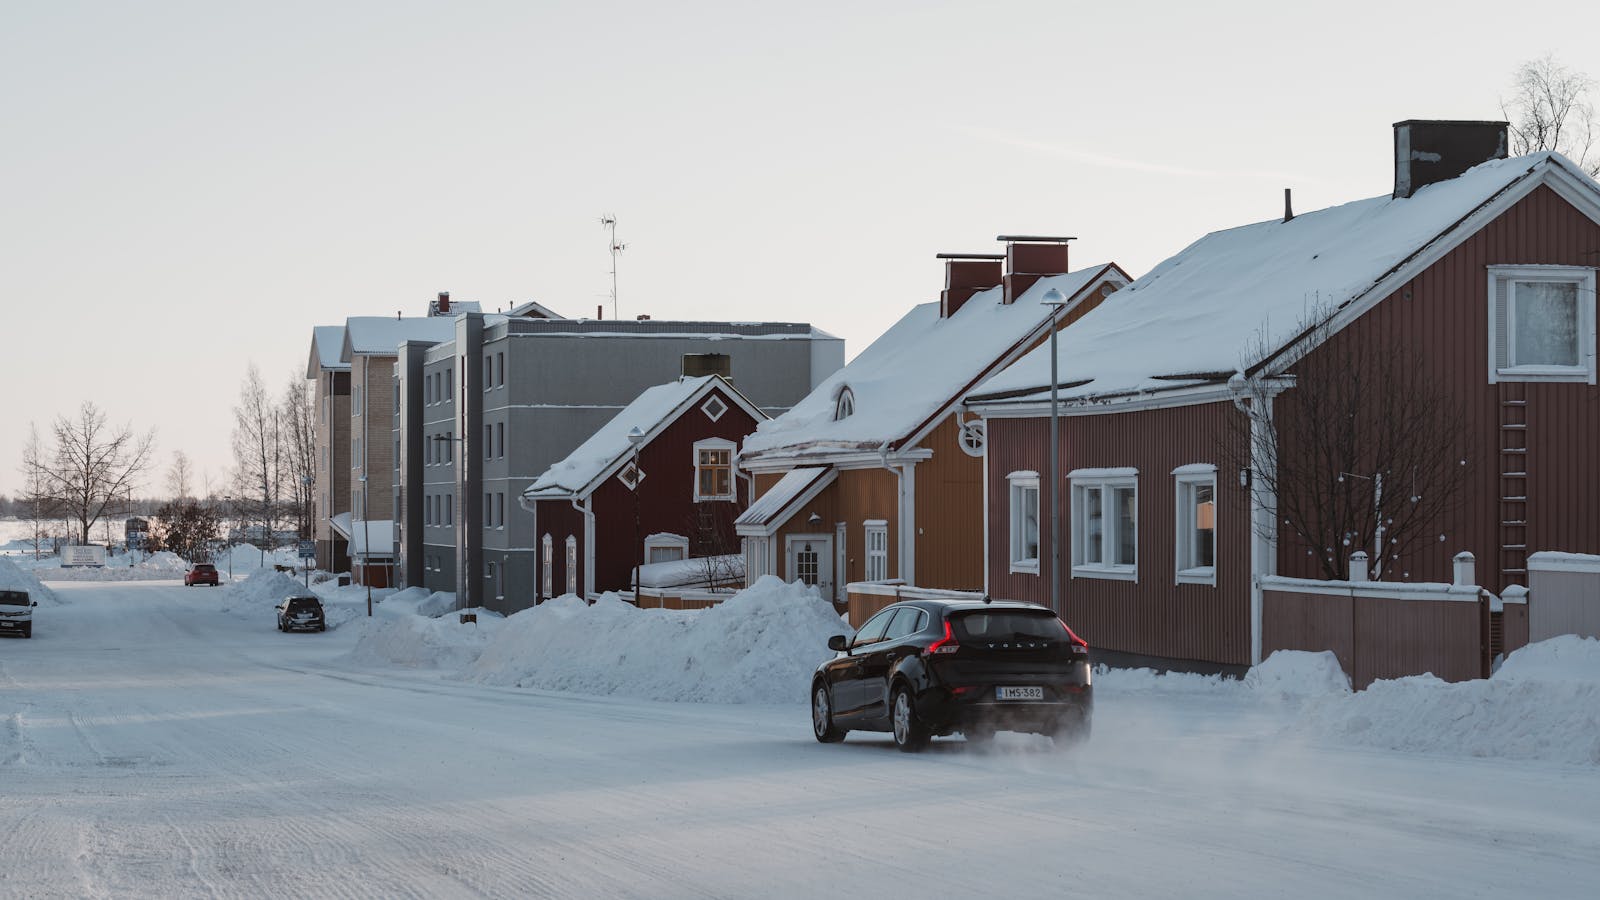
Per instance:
{"type": "Point", "coordinates": [654, 484]}
{"type": "Point", "coordinates": [1482, 268]}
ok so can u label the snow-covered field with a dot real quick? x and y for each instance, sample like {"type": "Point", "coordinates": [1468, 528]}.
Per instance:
{"type": "Point", "coordinates": [162, 742]}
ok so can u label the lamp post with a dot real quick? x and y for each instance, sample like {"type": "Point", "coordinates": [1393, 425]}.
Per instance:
{"type": "Point", "coordinates": [1054, 299]}
{"type": "Point", "coordinates": [635, 437]}
{"type": "Point", "coordinates": [366, 540]}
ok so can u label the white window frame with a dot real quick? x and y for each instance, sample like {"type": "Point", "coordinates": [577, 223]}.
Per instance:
{"type": "Point", "coordinates": [1017, 484]}
{"type": "Point", "coordinates": [877, 557]}
{"type": "Point", "coordinates": [844, 404]}
{"type": "Point", "coordinates": [665, 541]}
{"type": "Point", "coordinates": [714, 408]}
{"type": "Point", "coordinates": [715, 444]}
{"type": "Point", "coordinates": [1584, 279]}
{"type": "Point", "coordinates": [547, 546]}
{"type": "Point", "coordinates": [1185, 480]}
{"type": "Point", "coordinates": [572, 564]}
{"type": "Point", "coordinates": [1106, 481]}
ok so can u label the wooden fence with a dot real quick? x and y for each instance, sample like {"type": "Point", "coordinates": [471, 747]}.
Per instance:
{"type": "Point", "coordinates": [865, 599]}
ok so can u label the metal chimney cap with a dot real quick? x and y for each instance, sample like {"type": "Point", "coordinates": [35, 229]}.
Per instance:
{"type": "Point", "coordinates": [1032, 239]}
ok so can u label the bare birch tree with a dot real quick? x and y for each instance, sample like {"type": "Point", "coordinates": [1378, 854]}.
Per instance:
{"type": "Point", "coordinates": [1363, 452]}
{"type": "Point", "coordinates": [257, 454]}
{"type": "Point", "coordinates": [37, 505]}
{"type": "Point", "coordinates": [299, 424]}
{"type": "Point", "coordinates": [180, 476]}
{"type": "Point", "coordinates": [92, 466]}
{"type": "Point", "coordinates": [1550, 109]}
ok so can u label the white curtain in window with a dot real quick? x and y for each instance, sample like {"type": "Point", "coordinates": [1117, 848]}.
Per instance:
{"type": "Point", "coordinates": [1546, 324]}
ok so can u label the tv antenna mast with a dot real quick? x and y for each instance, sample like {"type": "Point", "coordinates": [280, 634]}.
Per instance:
{"type": "Point", "coordinates": [610, 224]}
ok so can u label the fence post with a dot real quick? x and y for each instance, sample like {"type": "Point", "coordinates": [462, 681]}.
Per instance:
{"type": "Point", "coordinates": [1465, 570]}
{"type": "Point", "coordinates": [1358, 566]}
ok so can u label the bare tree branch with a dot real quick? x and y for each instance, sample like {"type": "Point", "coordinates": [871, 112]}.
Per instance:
{"type": "Point", "coordinates": [1550, 109]}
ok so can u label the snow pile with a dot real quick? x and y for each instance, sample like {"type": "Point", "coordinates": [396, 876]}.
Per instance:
{"type": "Point", "coordinates": [1288, 674]}
{"type": "Point", "coordinates": [14, 579]}
{"type": "Point", "coordinates": [758, 646]}
{"type": "Point", "coordinates": [1543, 704]}
{"type": "Point", "coordinates": [266, 588]}
{"type": "Point", "coordinates": [136, 566]}
{"type": "Point", "coordinates": [421, 642]}
{"type": "Point", "coordinates": [1151, 681]}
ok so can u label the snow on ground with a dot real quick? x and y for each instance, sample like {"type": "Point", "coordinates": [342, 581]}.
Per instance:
{"type": "Point", "coordinates": [13, 578]}
{"type": "Point", "coordinates": [759, 646]}
{"type": "Point", "coordinates": [152, 745]}
{"type": "Point", "coordinates": [1543, 703]}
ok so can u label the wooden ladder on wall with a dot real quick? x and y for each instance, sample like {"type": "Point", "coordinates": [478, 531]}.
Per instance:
{"type": "Point", "coordinates": [1513, 483]}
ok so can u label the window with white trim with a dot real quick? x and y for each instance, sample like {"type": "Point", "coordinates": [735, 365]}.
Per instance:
{"type": "Point", "coordinates": [572, 564]}
{"type": "Point", "coordinates": [1541, 323]}
{"type": "Point", "coordinates": [713, 469]}
{"type": "Point", "coordinates": [844, 403]}
{"type": "Point", "coordinates": [665, 548]}
{"type": "Point", "coordinates": [1105, 523]}
{"type": "Point", "coordinates": [1024, 516]}
{"type": "Point", "coordinates": [547, 552]}
{"type": "Point", "coordinates": [1196, 534]}
{"type": "Point", "coordinates": [877, 537]}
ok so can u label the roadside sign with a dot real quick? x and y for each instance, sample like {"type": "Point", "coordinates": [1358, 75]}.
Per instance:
{"type": "Point", "coordinates": [308, 549]}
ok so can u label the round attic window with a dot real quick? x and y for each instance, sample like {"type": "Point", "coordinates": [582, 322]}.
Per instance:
{"type": "Point", "coordinates": [973, 437]}
{"type": "Point", "coordinates": [844, 406]}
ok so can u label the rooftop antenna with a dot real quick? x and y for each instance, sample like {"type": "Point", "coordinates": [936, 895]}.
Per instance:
{"type": "Point", "coordinates": [610, 224]}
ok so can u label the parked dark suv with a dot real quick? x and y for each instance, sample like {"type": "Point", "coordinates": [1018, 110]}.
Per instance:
{"type": "Point", "coordinates": [202, 573]}
{"type": "Point", "coordinates": [301, 613]}
{"type": "Point", "coordinates": [926, 667]}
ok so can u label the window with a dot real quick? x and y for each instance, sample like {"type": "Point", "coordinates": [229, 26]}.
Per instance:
{"type": "Point", "coordinates": [427, 390]}
{"type": "Point", "coordinates": [500, 510]}
{"type": "Point", "coordinates": [355, 401]}
{"type": "Point", "coordinates": [872, 632]}
{"type": "Point", "coordinates": [449, 509]}
{"type": "Point", "coordinates": [1196, 534]}
{"type": "Point", "coordinates": [500, 440]}
{"type": "Point", "coordinates": [449, 444]}
{"type": "Point", "coordinates": [714, 408]}
{"type": "Point", "coordinates": [427, 510]}
{"type": "Point", "coordinates": [877, 531]}
{"type": "Point", "coordinates": [974, 435]}
{"type": "Point", "coordinates": [1105, 523]}
{"type": "Point", "coordinates": [488, 442]}
{"type": "Point", "coordinates": [1024, 491]}
{"type": "Point", "coordinates": [1542, 323]}
{"type": "Point", "coordinates": [357, 458]}
{"type": "Point", "coordinates": [713, 470]}
{"type": "Point", "coordinates": [548, 553]}
{"type": "Point", "coordinates": [488, 510]}
{"type": "Point", "coordinates": [449, 386]}
{"type": "Point", "coordinates": [908, 621]}
{"type": "Point", "coordinates": [844, 405]}
{"type": "Point", "coordinates": [665, 547]}
{"type": "Point", "coordinates": [488, 571]}
{"type": "Point", "coordinates": [488, 371]}
{"type": "Point", "coordinates": [631, 475]}
{"type": "Point", "coordinates": [572, 564]}
{"type": "Point", "coordinates": [499, 370]}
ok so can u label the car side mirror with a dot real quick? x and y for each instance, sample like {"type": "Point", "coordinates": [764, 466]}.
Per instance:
{"type": "Point", "coordinates": [839, 643]}
{"type": "Point", "coordinates": [34, 603]}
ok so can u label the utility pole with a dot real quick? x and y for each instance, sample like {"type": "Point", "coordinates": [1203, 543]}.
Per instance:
{"type": "Point", "coordinates": [610, 224]}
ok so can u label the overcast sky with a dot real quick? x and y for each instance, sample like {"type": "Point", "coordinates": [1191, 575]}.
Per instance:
{"type": "Point", "coordinates": [190, 187]}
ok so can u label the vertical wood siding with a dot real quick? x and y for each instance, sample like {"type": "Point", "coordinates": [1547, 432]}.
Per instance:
{"type": "Point", "coordinates": [1443, 317]}
{"type": "Point", "coordinates": [1380, 637]}
{"type": "Point", "coordinates": [949, 510]}
{"type": "Point", "coordinates": [1154, 615]}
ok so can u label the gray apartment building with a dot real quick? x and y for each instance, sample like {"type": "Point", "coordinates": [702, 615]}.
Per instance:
{"type": "Point", "coordinates": [331, 494]}
{"type": "Point", "coordinates": [479, 417]}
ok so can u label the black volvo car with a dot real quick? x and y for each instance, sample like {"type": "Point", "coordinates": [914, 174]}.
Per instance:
{"type": "Point", "coordinates": [922, 668]}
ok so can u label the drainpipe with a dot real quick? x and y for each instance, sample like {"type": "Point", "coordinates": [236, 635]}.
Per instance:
{"type": "Point", "coordinates": [587, 511]}
{"type": "Point", "coordinates": [1263, 517]}
{"type": "Point", "coordinates": [906, 514]}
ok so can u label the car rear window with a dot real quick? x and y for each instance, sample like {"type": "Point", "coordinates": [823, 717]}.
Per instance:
{"type": "Point", "coordinates": [1006, 624]}
{"type": "Point", "coordinates": [205, 567]}
{"type": "Point", "coordinates": [302, 604]}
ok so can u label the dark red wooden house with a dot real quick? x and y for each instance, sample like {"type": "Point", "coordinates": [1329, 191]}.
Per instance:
{"type": "Point", "coordinates": [1480, 268]}
{"type": "Point", "coordinates": [654, 484]}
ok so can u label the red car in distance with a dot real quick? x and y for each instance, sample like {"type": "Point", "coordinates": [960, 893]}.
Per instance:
{"type": "Point", "coordinates": [202, 573]}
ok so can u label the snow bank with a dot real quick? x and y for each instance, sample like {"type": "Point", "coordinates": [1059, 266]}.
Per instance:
{"type": "Point", "coordinates": [1298, 673]}
{"type": "Point", "coordinates": [1543, 704]}
{"type": "Point", "coordinates": [266, 588]}
{"type": "Point", "coordinates": [758, 646]}
{"type": "Point", "coordinates": [14, 579]}
{"type": "Point", "coordinates": [163, 566]}
{"type": "Point", "coordinates": [421, 642]}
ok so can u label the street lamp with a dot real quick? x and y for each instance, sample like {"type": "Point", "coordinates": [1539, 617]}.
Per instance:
{"type": "Point", "coordinates": [1056, 301]}
{"type": "Point", "coordinates": [635, 437]}
{"type": "Point", "coordinates": [366, 540]}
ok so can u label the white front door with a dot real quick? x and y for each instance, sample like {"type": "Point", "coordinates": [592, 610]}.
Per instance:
{"type": "Point", "coordinates": [810, 559]}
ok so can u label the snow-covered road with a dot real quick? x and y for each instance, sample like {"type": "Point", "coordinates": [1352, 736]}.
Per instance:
{"type": "Point", "coordinates": [154, 745]}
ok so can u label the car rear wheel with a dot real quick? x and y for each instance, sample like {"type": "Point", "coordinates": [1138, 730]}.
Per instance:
{"type": "Point", "coordinates": [822, 717]}
{"type": "Point", "coordinates": [910, 735]}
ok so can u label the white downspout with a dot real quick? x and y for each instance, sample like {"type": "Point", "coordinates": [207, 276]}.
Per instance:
{"type": "Point", "coordinates": [587, 511]}
{"type": "Point", "coordinates": [1263, 521]}
{"type": "Point", "coordinates": [907, 558]}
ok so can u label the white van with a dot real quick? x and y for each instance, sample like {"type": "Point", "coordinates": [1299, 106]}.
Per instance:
{"type": "Point", "coordinates": [16, 613]}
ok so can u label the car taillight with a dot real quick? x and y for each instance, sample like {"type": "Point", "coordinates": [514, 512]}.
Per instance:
{"type": "Point", "coordinates": [1072, 636]}
{"type": "Point", "coordinates": [946, 644]}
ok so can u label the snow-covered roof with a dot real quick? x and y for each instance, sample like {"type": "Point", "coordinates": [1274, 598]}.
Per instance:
{"type": "Point", "coordinates": [650, 411]}
{"type": "Point", "coordinates": [382, 336]}
{"type": "Point", "coordinates": [913, 370]}
{"type": "Point", "coordinates": [327, 345]}
{"type": "Point", "coordinates": [777, 498]}
{"type": "Point", "coordinates": [379, 531]}
{"type": "Point", "coordinates": [1202, 312]}
{"type": "Point", "coordinates": [531, 309]}
{"type": "Point", "coordinates": [341, 523]}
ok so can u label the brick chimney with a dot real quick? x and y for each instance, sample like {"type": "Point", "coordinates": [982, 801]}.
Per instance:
{"type": "Point", "coordinates": [966, 274]}
{"type": "Point", "coordinates": [441, 307]}
{"type": "Point", "coordinates": [1430, 151]}
{"type": "Point", "coordinates": [1029, 258]}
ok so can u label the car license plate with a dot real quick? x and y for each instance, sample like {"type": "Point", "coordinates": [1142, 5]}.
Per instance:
{"type": "Point", "coordinates": [8, 624]}
{"type": "Point", "coordinates": [1019, 693]}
